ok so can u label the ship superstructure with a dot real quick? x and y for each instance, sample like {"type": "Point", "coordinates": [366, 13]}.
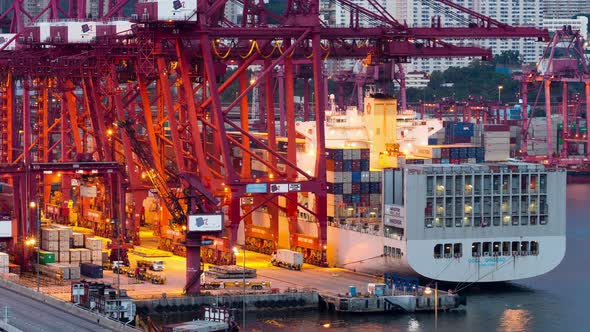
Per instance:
{"type": "Point", "coordinates": [461, 222]}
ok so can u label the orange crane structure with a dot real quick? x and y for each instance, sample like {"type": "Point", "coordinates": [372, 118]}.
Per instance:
{"type": "Point", "coordinates": [145, 92]}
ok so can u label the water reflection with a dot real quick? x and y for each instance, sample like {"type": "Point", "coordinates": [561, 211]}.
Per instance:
{"type": "Point", "coordinates": [515, 320]}
{"type": "Point", "coordinates": [413, 325]}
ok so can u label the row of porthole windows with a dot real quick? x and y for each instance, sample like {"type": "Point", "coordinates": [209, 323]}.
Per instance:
{"type": "Point", "coordinates": [491, 249]}
{"type": "Point", "coordinates": [505, 248]}
{"type": "Point", "coordinates": [392, 252]}
{"type": "Point", "coordinates": [448, 250]}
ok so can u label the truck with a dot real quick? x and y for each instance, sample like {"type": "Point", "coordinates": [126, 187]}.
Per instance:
{"type": "Point", "coordinates": [289, 259]}
{"type": "Point", "coordinates": [152, 265]}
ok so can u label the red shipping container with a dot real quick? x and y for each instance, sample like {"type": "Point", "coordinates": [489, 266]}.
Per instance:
{"type": "Point", "coordinates": [338, 165]}
{"type": "Point", "coordinates": [329, 165]}
{"type": "Point", "coordinates": [444, 153]}
{"type": "Point", "coordinates": [461, 140]}
{"type": "Point", "coordinates": [356, 165]}
{"type": "Point", "coordinates": [497, 128]}
{"type": "Point", "coordinates": [365, 198]}
{"type": "Point", "coordinates": [356, 188]}
{"type": "Point", "coordinates": [436, 160]}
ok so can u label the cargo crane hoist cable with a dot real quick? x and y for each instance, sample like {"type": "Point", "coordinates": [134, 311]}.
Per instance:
{"type": "Point", "coordinates": [205, 200]}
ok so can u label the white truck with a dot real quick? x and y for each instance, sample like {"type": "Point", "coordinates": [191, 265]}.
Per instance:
{"type": "Point", "coordinates": [292, 260]}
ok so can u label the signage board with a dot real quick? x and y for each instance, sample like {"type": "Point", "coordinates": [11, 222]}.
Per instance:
{"type": "Point", "coordinates": [394, 210]}
{"type": "Point", "coordinates": [88, 191]}
{"type": "Point", "coordinates": [256, 188]}
{"type": "Point", "coordinates": [205, 223]}
{"type": "Point", "coordinates": [247, 200]}
{"type": "Point", "coordinates": [394, 221]}
{"type": "Point", "coordinates": [5, 228]}
{"type": "Point", "coordinates": [294, 187]}
{"type": "Point", "coordinates": [279, 188]}
{"type": "Point", "coordinates": [206, 242]}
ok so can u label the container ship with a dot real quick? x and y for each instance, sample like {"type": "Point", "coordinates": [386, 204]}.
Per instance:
{"type": "Point", "coordinates": [450, 212]}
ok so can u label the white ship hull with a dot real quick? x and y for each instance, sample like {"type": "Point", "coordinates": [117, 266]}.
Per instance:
{"type": "Point", "coordinates": [362, 252]}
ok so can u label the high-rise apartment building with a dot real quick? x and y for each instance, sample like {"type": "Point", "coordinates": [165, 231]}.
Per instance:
{"type": "Point", "coordinates": [512, 12]}
{"type": "Point", "coordinates": [565, 9]}
{"type": "Point", "coordinates": [33, 8]}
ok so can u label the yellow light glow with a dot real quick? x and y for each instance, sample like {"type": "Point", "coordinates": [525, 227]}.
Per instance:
{"type": "Point", "coordinates": [109, 132]}
{"type": "Point", "coordinates": [32, 205]}
{"type": "Point", "coordinates": [427, 291]}
{"type": "Point", "coordinates": [326, 325]}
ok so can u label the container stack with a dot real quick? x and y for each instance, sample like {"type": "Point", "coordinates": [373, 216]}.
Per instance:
{"type": "Point", "coordinates": [448, 154]}
{"type": "Point", "coordinates": [351, 183]}
{"type": "Point", "coordinates": [94, 245]}
{"type": "Point", "coordinates": [57, 240]}
{"type": "Point", "coordinates": [538, 131]}
{"type": "Point", "coordinates": [460, 133]}
{"type": "Point", "coordinates": [4, 262]}
{"type": "Point", "coordinates": [497, 142]}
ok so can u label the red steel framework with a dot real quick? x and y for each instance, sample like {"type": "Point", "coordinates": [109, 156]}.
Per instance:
{"type": "Point", "coordinates": [563, 62]}
{"type": "Point", "coordinates": [165, 78]}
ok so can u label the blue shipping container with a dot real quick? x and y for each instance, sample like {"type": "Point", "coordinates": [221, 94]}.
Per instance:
{"type": "Point", "coordinates": [432, 141]}
{"type": "Point", "coordinates": [463, 129]}
{"type": "Point", "coordinates": [365, 188]}
{"type": "Point", "coordinates": [365, 165]}
{"type": "Point", "coordinates": [347, 166]}
{"type": "Point", "coordinates": [356, 176]}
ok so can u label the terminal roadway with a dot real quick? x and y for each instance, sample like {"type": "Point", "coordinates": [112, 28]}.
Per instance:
{"type": "Point", "coordinates": [30, 315]}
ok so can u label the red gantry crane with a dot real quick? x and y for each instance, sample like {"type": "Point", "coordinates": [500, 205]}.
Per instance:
{"type": "Point", "coordinates": [161, 75]}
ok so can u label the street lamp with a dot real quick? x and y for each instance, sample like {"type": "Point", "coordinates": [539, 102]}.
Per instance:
{"type": "Point", "coordinates": [113, 222]}
{"type": "Point", "coordinates": [34, 206]}
{"type": "Point", "coordinates": [236, 252]}
{"type": "Point", "coordinates": [499, 90]}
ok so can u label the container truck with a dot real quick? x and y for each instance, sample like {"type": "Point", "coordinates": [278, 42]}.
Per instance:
{"type": "Point", "coordinates": [287, 259]}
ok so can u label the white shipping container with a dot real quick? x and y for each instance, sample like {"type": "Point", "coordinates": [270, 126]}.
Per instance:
{"type": "Point", "coordinates": [74, 255]}
{"type": "Point", "coordinates": [175, 10]}
{"type": "Point", "coordinates": [93, 243]}
{"type": "Point", "coordinates": [81, 32]}
{"type": "Point", "coordinates": [338, 178]}
{"type": "Point", "coordinates": [85, 255]}
{"type": "Point", "coordinates": [63, 256]}
{"type": "Point", "coordinates": [356, 154]}
{"type": "Point", "coordinates": [96, 255]}
{"type": "Point", "coordinates": [78, 239]}
{"type": "Point", "coordinates": [330, 176]}
{"type": "Point", "coordinates": [49, 234]}
{"type": "Point", "coordinates": [375, 176]}
{"type": "Point", "coordinates": [346, 177]}
{"type": "Point", "coordinates": [4, 259]}
{"type": "Point", "coordinates": [497, 140]}
{"type": "Point", "coordinates": [347, 188]}
{"type": "Point", "coordinates": [50, 245]}
{"type": "Point", "coordinates": [347, 154]}
{"type": "Point", "coordinates": [365, 176]}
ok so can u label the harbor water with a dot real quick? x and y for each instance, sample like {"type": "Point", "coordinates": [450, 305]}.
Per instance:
{"type": "Point", "coordinates": [556, 301]}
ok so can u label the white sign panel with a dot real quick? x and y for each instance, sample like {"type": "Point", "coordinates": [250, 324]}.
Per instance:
{"type": "Point", "coordinates": [5, 228]}
{"type": "Point", "coordinates": [394, 210]}
{"type": "Point", "coordinates": [279, 188]}
{"type": "Point", "coordinates": [394, 221]}
{"type": "Point", "coordinates": [87, 191]}
{"type": "Point", "coordinates": [205, 223]}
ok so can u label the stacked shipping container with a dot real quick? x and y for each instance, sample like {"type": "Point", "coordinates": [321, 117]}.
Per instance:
{"type": "Point", "coordinates": [449, 154]}
{"type": "Point", "coordinates": [497, 142]}
{"type": "Point", "coordinates": [353, 189]}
